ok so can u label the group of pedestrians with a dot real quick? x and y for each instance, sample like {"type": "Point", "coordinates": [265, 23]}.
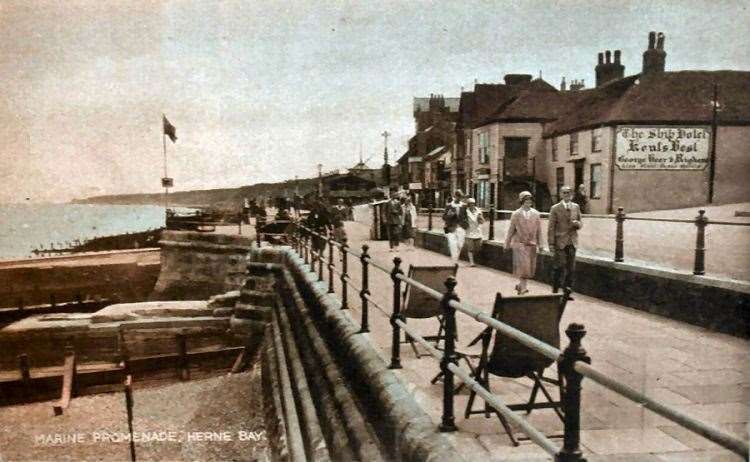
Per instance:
{"type": "Point", "coordinates": [463, 218]}
{"type": "Point", "coordinates": [401, 217]}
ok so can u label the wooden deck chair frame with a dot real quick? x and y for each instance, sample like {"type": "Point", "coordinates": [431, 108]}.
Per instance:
{"type": "Point", "coordinates": [417, 304]}
{"type": "Point", "coordinates": [534, 364]}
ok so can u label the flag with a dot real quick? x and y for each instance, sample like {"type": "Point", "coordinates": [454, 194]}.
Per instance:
{"type": "Point", "coordinates": [169, 129]}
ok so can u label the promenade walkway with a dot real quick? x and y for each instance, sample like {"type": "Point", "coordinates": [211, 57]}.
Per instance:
{"type": "Point", "coordinates": [702, 373]}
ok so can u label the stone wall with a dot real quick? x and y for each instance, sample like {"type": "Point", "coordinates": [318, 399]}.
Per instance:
{"type": "Point", "coordinates": [718, 305]}
{"type": "Point", "coordinates": [198, 265]}
{"type": "Point", "coordinates": [356, 395]}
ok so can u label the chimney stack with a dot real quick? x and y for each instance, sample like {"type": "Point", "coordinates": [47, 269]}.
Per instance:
{"type": "Point", "coordinates": [517, 79]}
{"type": "Point", "coordinates": [654, 58]}
{"type": "Point", "coordinates": [606, 70]}
{"type": "Point", "coordinates": [576, 85]}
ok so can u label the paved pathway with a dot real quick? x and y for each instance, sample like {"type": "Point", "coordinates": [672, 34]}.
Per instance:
{"type": "Point", "coordinates": [702, 373]}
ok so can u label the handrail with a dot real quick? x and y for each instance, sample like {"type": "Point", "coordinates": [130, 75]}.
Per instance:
{"type": "Point", "coordinates": [492, 399]}
{"type": "Point", "coordinates": [709, 432]}
{"type": "Point", "coordinates": [612, 217]}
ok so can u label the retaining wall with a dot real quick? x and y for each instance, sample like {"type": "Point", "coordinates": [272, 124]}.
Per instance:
{"type": "Point", "coordinates": [370, 400]}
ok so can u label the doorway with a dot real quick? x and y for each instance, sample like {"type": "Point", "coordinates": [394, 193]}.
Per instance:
{"type": "Point", "coordinates": [577, 174]}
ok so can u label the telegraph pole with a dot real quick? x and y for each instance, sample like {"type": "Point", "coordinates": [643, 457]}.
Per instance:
{"type": "Point", "coordinates": [714, 126]}
{"type": "Point", "coordinates": [386, 166]}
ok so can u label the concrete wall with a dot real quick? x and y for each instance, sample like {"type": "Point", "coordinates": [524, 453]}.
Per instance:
{"type": "Point", "coordinates": [717, 305]}
{"type": "Point", "coordinates": [732, 182]}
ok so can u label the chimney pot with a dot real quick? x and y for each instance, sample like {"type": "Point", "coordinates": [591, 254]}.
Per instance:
{"type": "Point", "coordinates": [617, 56]}
{"type": "Point", "coordinates": [660, 41]}
{"type": "Point", "coordinates": [601, 58]}
{"type": "Point", "coordinates": [651, 40]}
{"type": "Point", "coordinates": [608, 56]}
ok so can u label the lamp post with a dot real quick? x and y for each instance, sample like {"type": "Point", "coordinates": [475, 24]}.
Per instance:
{"type": "Point", "coordinates": [320, 180]}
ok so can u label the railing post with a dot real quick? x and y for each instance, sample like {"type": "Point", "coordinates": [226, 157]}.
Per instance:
{"type": "Point", "coordinates": [492, 223]}
{"type": "Point", "coordinates": [330, 264]}
{"type": "Point", "coordinates": [619, 236]}
{"type": "Point", "coordinates": [449, 355]}
{"type": "Point", "coordinates": [365, 289]}
{"type": "Point", "coordinates": [344, 275]}
{"type": "Point", "coordinates": [571, 399]}
{"type": "Point", "coordinates": [700, 243]}
{"type": "Point", "coordinates": [396, 340]}
{"type": "Point", "coordinates": [305, 248]}
{"type": "Point", "coordinates": [321, 256]}
{"type": "Point", "coordinates": [429, 218]}
{"type": "Point", "coordinates": [257, 233]}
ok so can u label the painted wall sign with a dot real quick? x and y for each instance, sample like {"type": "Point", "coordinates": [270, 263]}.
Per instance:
{"type": "Point", "coordinates": [662, 148]}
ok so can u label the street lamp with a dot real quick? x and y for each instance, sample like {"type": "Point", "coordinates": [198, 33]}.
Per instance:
{"type": "Point", "coordinates": [320, 180]}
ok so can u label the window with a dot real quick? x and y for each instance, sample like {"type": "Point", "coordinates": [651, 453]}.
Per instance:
{"type": "Point", "coordinates": [467, 146]}
{"type": "Point", "coordinates": [516, 148]}
{"type": "Point", "coordinates": [560, 180]}
{"type": "Point", "coordinates": [484, 155]}
{"type": "Point", "coordinates": [596, 140]}
{"type": "Point", "coordinates": [553, 142]}
{"type": "Point", "coordinates": [482, 193]}
{"type": "Point", "coordinates": [595, 186]}
{"type": "Point", "coordinates": [573, 144]}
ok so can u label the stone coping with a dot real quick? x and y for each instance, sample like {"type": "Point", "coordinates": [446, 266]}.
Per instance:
{"type": "Point", "coordinates": [394, 412]}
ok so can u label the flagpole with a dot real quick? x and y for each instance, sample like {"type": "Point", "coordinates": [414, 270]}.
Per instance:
{"type": "Point", "coordinates": [166, 188]}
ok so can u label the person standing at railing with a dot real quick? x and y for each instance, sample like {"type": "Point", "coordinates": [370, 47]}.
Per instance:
{"type": "Point", "coordinates": [410, 221]}
{"type": "Point", "coordinates": [454, 218]}
{"type": "Point", "coordinates": [564, 223]}
{"type": "Point", "coordinates": [474, 234]}
{"type": "Point", "coordinates": [395, 220]}
{"type": "Point", "coordinates": [524, 237]}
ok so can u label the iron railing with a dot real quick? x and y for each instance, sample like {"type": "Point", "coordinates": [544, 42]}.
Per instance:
{"type": "Point", "coordinates": [573, 362]}
{"type": "Point", "coordinates": [701, 221]}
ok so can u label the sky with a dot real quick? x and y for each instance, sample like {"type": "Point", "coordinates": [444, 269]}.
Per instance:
{"type": "Point", "coordinates": [265, 91]}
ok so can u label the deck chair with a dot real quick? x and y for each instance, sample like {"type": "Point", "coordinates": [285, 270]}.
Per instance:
{"type": "Point", "coordinates": [535, 315]}
{"type": "Point", "coordinates": [418, 304]}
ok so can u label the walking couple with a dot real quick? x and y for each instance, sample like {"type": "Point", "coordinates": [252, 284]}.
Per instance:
{"type": "Point", "coordinates": [462, 220]}
{"type": "Point", "coordinates": [401, 215]}
{"type": "Point", "coordinates": [524, 237]}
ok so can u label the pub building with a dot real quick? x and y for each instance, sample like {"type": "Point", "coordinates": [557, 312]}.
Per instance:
{"type": "Point", "coordinates": [642, 142]}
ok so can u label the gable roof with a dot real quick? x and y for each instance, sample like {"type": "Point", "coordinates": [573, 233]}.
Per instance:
{"type": "Point", "coordinates": [488, 99]}
{"type": "Point", "coordinates": [667, 97]}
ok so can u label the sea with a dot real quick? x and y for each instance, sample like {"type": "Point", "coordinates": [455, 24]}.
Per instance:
{"type": "Point", "coordinates": [24, 227]}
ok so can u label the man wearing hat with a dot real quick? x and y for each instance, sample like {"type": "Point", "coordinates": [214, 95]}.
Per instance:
{"type": "Point", "coordinates": [564, 223]}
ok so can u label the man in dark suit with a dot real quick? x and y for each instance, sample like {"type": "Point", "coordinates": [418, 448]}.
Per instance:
{"type": "Point", "coordinates": [564, 223]}
{"type": "Point", "coordinates": [395, 218]}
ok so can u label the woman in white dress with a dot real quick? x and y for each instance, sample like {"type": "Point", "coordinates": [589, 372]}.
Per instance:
{"type": "Point", "coordinates": [474, 235]}
{"type": "Point", "coordinates": [524, 237]}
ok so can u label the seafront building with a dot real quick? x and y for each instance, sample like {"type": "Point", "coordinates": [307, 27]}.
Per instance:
{"type": "Point", "coordinates": [653, 140]}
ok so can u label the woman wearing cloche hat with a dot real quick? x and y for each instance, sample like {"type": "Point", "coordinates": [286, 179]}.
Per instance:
{"type": "Point", "coordinates": [524, 237]}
